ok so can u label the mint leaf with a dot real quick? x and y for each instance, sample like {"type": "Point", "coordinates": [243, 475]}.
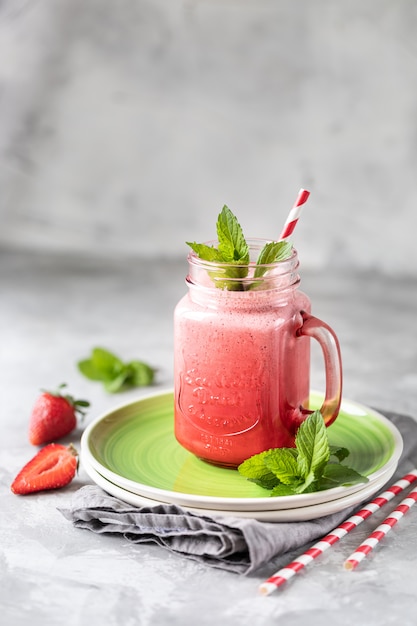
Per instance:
{"type": "Point", "coordinates": [106, 362]}
{"type": "Point", "coordinates": [339, 452]}
{"type": "Point", "coordinates": [102, 365]}
{"type": "Point", "coordinates": [283, 490]}
{"type": "Point", "coordinates": [233, 250]}
{"type": "Point", "coordinates": [255, 470]}
{"type": "Point", "coordinates": [336, 474]}
{"type": "Point", "coordinates": [313, 447]}
{"type": "Point", "coordinates": [282, 462]}
{"type": "Point", "coordinates": [107, 368]}
{"type": "Point", "coordinates": [117, 383]}
{"type": "Point", "coordinates": [139, 374]}
{"type": "Point", "coordinates": [88, 370]}
{"type": "Point", "coordinates": [232, 244]}
{"type": "Point", "coordinates": [272, 253]}
{"type": "Point", "coordinates": [207, 253]}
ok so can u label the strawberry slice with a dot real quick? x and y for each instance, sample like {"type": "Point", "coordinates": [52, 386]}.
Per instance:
{"type": "Point", "coordinates": [54, 466]}
{"type": "Point", "coordinates": [54, 416]}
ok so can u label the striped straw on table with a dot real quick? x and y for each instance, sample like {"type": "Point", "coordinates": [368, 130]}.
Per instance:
{"type": "Point", "coordinates": [284, 574]}
{"type": "Point", "coordinates": [294, 214]}
{"type": "Point", "coordinates": [379, 533]}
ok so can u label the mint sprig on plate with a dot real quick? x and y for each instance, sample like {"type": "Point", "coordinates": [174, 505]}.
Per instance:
{"type": "Point", "coordinates": [116, 375]}
{"type": "Point", "coordinates": [233, 250]}
{"type": "Point", "coordinates": [313, 465]}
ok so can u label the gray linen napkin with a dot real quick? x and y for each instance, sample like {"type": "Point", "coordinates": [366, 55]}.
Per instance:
{"type": "Point", "coordinates": [239, 545]}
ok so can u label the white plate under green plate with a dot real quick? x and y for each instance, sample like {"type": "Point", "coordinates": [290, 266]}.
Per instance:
{"type": "Point", "coordinates": [276, 515]}
{"type": "Point", "coordinates": [134, 448]}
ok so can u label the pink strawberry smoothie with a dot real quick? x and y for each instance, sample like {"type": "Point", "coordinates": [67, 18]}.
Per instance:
{"type": "Point", "coordinates": [241, 371]}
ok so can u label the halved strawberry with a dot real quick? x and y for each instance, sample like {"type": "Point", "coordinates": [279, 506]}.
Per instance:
{"type": "Point", "coordinates": [54, 466]}
{"type": "Point", "coordinates": [54, 416]}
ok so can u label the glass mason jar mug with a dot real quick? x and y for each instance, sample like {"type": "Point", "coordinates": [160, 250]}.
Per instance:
{"type": "Point", "coordinates": [242, 359]}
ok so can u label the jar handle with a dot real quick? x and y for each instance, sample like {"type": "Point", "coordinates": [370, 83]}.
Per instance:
{"type": "Point", "coordinates": [319, 330]}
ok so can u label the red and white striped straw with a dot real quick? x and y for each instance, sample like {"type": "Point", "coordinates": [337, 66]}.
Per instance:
{"type": "Point", "coordinates": [284, 574]}
{"type": "Point", "coordinates": [294, 214]}
{"type": "Point", "coordinates": [379, 533]}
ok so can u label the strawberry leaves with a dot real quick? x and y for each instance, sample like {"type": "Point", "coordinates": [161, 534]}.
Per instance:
{"type": "Point", "coordinates": [79, 405]}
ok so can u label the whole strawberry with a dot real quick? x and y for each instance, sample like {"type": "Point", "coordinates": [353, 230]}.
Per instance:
{"type": "Point", "coordinates": [53, 416]}
{"type": "Point", "coordinates": [54, 466]}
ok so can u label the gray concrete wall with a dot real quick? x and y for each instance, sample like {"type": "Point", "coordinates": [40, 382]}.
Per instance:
{"type": "Point", "coordinates": [125, 125]}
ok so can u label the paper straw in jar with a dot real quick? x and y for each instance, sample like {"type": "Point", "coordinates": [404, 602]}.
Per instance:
{"type": "Point", "coordinates": [294, 214]}
{"type": "Point", "coordinates": [284, 574]}
{"type": "Point", "coordinates": [379, 533]}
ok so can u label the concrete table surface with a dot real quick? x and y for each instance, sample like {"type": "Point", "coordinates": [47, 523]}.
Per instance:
{"type": "Point", "coordinates": [53, 311]}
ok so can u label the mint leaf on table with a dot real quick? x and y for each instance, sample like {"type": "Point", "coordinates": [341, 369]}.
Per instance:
{"type": "Point", "coordinates": [113, 373]}
{"type": "Point", "coordinates": [313, 465]}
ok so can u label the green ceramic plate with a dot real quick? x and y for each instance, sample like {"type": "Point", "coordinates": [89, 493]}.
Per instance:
{"type": "Point", "coordinates": [134, 447]}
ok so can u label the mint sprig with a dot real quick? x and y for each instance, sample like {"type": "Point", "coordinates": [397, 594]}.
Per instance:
{"type": "Point", "coordinates": [105, 367]}
{"type": "Point", "coordinates": [313, 465]}
{"type": "Point", "coordinates": [233, 250]}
